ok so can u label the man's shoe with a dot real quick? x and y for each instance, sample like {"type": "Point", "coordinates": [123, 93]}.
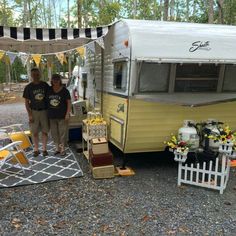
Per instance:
{"type": "Point", "coordinates": [36, 153]}
{"type": "Point", "coordinates": [45, 153]}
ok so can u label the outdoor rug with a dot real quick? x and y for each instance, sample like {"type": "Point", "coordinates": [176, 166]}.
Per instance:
{"type": "Point", "coordinates": [44, 169]}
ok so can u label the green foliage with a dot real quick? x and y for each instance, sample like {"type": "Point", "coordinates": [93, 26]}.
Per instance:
{"type": "Point", "coordinates": [52, 13]}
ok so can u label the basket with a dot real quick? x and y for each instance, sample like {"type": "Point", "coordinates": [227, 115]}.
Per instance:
{"type": "Point", "coordinates": [180, 156]}
{"type": "Point", "coordinates": [95, 130]}
{"type": "Point", "coordinates": [103, 172]}
{"type": "Point", "coordinates": [226, 148]}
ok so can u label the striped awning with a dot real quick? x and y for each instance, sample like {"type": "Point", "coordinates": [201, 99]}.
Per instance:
{"type": "Point", "coordinates": [41, 40]}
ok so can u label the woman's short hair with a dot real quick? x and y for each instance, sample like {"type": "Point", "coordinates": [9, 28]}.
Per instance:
{"type": "Point", "coordinates": [56, 76]}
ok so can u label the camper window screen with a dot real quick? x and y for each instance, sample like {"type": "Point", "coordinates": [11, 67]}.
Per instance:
{"type": "Point", "coordinates": [154, 77]}
{"type": "Point", "coordinates": [196, 78]}
{"type": "Point", "coordinates": [230, 80]}
{"type": "Point", "coordinates": [120, 75]}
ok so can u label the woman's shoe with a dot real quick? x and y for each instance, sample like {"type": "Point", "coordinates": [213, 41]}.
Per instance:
{"type": "Point", "coordinates": [63, 153]}
{"type": "Point", "coordinates": [36, 153]}
{"type": "Point", "coordinates": [56, 153]}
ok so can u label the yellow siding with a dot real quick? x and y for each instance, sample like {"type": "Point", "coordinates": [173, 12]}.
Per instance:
{"type": "Point", "coordinates": [150, 123]}
{"type": "Point", "coordinates": [110, 105]}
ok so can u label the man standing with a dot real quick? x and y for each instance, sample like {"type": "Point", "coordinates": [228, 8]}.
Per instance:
{"type": "Point", "coordinates": [36, 106]}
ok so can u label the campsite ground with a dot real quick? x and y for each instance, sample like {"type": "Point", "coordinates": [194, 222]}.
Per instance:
{"type": "Point", "coordinates": [149, 203]}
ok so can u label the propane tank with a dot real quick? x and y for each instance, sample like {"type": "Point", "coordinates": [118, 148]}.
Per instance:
{"type": "Point", "coordinates": [211, 124]}
{"type": "Point", "coordinates": [188, 133]}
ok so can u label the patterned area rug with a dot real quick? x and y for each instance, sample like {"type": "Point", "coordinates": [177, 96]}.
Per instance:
{"type": "Point", "coordinates": [44, 169]}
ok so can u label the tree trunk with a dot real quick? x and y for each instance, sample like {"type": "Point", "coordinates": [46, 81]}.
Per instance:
{"type": "Point", "coordinates": [187, 10]}
{"type": "Point", "coordinates": [161, 10]}
{"type": "Point", "coordinates": [220, 4]}
{"type": "Point", "coordinates": [210, 11]}
{"type": "Point", "coordinates": [79, 12]}
{"type": "Point", "coordinates": [55, 13]}
{"type": "Point", "coordinates": [166, 9]}
{"type": "Point", "coordinates": [25, 15]}
{"type": "Point", "coordinates": [172, 9]}
{"type": "Point", "coordinates": [194, 8]}
{"type": "Point", "coordinates": [68, 12]}
{"type": "Point", "coordinates": [30, 18]}
{"type": "Point", "coordinates": [134, 9]}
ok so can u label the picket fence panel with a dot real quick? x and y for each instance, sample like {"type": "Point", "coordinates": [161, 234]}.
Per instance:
{"type": "Point", "coordinates": [206, 176]}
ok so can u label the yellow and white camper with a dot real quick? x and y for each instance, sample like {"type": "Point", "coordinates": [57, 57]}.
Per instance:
{"type": "Point", "coordinates": [152, 75]}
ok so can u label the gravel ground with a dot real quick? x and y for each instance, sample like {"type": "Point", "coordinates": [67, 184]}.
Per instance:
{"type": "Point", "coordinates": [149, 203]}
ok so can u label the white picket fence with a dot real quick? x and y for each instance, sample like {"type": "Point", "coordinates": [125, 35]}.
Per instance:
{"type": "Point", "coordinates": [213, 176]}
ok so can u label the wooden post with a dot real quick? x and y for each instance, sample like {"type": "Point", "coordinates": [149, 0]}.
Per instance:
{"type": "Point", "coordinates": [102, 78]}
{"type": "Point", "coordinates": [179, 173]}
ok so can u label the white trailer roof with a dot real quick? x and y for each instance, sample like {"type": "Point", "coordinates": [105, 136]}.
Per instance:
{"type": "Point", "coordinates": [182, 42]}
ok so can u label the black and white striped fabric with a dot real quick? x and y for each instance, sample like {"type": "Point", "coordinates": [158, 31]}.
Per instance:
{"type": "Point", "coordinates": [22, 34]}
{"type": "Point", "coordinates": [47, 41]}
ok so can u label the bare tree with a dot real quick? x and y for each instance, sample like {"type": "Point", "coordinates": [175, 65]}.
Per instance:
{"type": "Point", "coordinates": [220, 4]}
{"type": "Point", "coordinates": [166, 9]}
{"type": "Point", "coordinates": [210, 11]}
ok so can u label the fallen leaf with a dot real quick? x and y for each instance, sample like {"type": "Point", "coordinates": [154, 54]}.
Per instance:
{"type": "Point", "coordinates": [41, 221]}
{"type": "Point", "coordinates": [183, 229]}
{"type": "Point", "coordinates": [170, 232]}
{"type": "Point", "coordinates": [16, 223]}
{"type": "Point", "coordinates": [146, 218]}
{"type": "Point", "coordinates": [60, 225]}
{"type": "Point", "coordinates": [15, 220]}
{"type": "Point", "coordinates": [104, 228]}
{"type": "Point", "coordinates": [123, 234]}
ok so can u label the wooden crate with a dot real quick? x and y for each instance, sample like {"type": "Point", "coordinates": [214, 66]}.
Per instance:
{"type": "Point", "coordinates": [103, 172]}
{"type": "Point", "coordinates": [99, 146]}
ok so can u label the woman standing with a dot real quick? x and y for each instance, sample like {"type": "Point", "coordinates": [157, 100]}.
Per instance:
{"type": "Point", "coordinates": [59, 107]}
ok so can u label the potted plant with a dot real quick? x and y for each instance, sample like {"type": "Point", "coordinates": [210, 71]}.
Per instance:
{"type": "Point", "coordinates": [227, 140]}
{"type": "Point", "coordinates": [179, 148]}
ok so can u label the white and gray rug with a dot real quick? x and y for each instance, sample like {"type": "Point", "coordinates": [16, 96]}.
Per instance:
{"type": "Point", "coordinates": [44, 169]}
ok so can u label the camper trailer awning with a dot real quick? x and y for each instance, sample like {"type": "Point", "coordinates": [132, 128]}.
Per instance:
{"type": "Point", "coordinates": [42, 40]}
{"type": "Point", "coordinates": [184, 60]}
{"type": "Point", "coordinates": [188, 99]}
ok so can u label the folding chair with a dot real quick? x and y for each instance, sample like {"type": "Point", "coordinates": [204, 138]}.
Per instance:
{"type": "Point", "coordinates": [16, 133]}
{"type": "Point", "coordinates": [12, 155]}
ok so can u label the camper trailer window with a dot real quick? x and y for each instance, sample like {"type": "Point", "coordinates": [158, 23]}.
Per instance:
{"type": "Point", "coordinates": [154, 77]}
{"type": "Point", "coordinates": [196, 78]}
{"type": "Point", "coordinates": [230, 79]}
{"type": "Point", "coordinates": [120, 75]}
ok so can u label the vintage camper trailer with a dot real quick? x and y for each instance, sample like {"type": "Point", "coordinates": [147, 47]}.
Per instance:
{"type": "Point", "coordinates": [153, 75]}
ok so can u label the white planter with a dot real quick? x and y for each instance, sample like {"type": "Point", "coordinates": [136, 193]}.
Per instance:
{"type": "Point", "coordinates": [180, 156]}
{"type": "Point", "coordinates": [226, 148]}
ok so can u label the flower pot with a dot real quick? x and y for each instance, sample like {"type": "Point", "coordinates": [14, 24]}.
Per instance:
{"type": "Point", "coordinates": [226, 147]}
{"type": "Point", "coordinates": [180, 156]}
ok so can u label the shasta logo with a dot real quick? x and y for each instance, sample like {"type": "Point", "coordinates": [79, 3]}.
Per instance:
{"type": "Point", "coordinates": [199, 45]}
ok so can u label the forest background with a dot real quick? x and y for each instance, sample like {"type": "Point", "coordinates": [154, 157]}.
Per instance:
{"type": "Point", "coordinates": [92, 13]}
